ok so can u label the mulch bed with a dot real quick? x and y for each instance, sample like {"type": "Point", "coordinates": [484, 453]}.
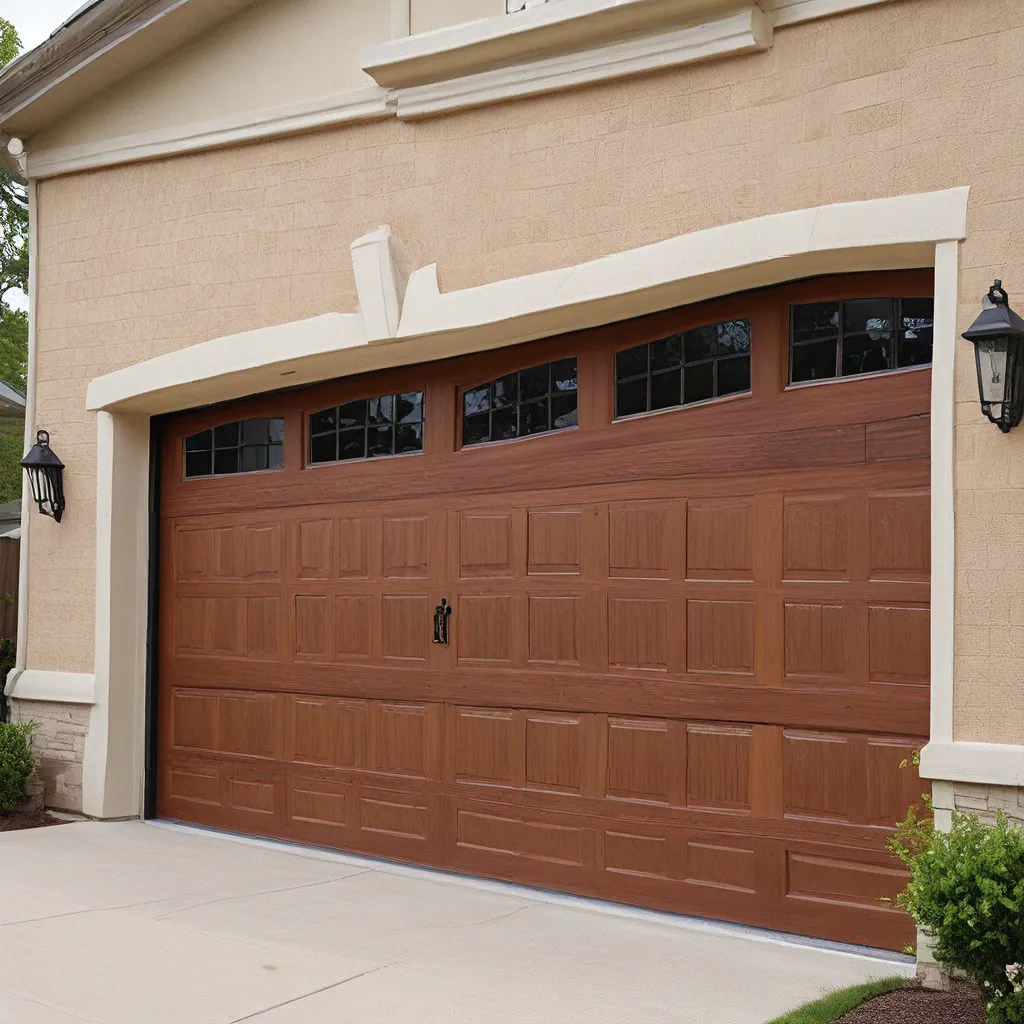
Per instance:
{"type": "Point", "coordinates": [914, 1005]}
{"type": "Point", "coordinates": [28, 819]}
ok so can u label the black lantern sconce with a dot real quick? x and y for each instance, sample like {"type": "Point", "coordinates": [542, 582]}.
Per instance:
{"type": "Point", "coordinates": [46, 476]}
{"type": "Point", "coordinates": [998, 337]}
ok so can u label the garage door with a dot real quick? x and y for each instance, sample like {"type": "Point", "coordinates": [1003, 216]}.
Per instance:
{"type": "Point", "coordinates": [639, 612]}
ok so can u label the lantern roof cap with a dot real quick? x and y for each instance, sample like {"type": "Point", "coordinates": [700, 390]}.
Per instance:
{"type": "Point", "coordinates": [41, 455]}
{"type": "Point", "coordinates": [996, 319]}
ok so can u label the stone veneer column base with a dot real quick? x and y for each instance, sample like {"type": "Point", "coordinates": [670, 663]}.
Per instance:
{"type": "Point", "coordinates": [59, 747]}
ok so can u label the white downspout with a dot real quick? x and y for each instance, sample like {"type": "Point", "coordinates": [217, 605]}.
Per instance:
{"type": "Point", "coordinates": [401, 18]}
{"type": "Point", "coordinates": [30, 419]}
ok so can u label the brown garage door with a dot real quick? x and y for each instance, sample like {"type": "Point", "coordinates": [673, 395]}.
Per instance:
{"type": "Point", "coordinates": [688, 649]}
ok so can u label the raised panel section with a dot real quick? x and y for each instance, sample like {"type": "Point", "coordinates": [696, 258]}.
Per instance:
{"type": "Point", "coordinates": [326, 731]}
{"type": "Point", "coordinates": [324, 805]}
{"type": "Point", "coordinates": [720, 866]}
{"type": "Point", "coordinates": [816, 538]}
{"type": "Point", "coordinates": [230, 632]}
{"type": "Point", "coordinates": [264, 617]}
{"type": "Point", "coordinates": [817, 775]}
{"type": "Point", "coordinates": [405, 739]}
{"type": "Point", "coordinates": [720, 539]}
{"type": "Point", "coordinates": [554, 630]}
{"type": "Point", "coordinates": [899, 644]}
{"type": "Point", "coordinates": [838, 880]}
{"type": "Point", "coordinates": [720, 636]}
{"type": "Point", "coordinates": [638, 545]}
{"type": "Point", "coordinates": [815, 641]}
{"type": "Point", "coordinates": [253, 795]}
{"type": "Point", "coordinates": [352, 626]}
{"type": "Point", "coordinates": [485, 746]}
{"type": "Point", "coordinates": [311, 626]}
{"type": "Point", "coordinates": [194, 718]}
{"type": "Point", "coordinates": [718, 766]}
{"type": "Point", "coordinates": [645, 856]}
{"type": "Point", "coordinates": [404, 548]}
{"type": "Point", "coordinates": [899, 527]}
{"type": "Point", "coordinates": [191, 619]}
{"type": "Point", "coordinates": [554, 752]}
{"type": "Point", "coordinates": [638, 633]}
{"type": "Point", "coordinates": [639, 759]}
{"type": "Point", "coordinates": [406, 624]}
{"type": "Point", "coordinates": [226, 560]}
{"type": "Point", "coordinates": [400, 815]}
{"type": "Point", "coordinates": [198, 784]}
{"type": "Point", "coordinates": [194, 555]}
{"type": "Point", "coordinates": [553, 541]}
{"type": "Point", "coordinates": [484, 627]}
{"type": "Point", "coordinates": [350, 534]}
{"type": "Point", "coordinates": [893, 784]}
{"type": "Point", "coordinates": [516, 837]}
{"type": "Point", "coordinates": [316, 549]}
{"type": "Point", "coordinates": [250, 724]}
{"type": "Point", "coordinates": [263, 552]}
{"type": "Point", "coordinates": [485, 544]}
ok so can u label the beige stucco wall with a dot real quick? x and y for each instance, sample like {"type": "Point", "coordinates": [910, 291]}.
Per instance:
{"type": "Point", "coordinates": [274, 54]}
{"type": "Point", "coordinates": [426, 15]}
{"type": "Point", "coordinates": [149, 258]}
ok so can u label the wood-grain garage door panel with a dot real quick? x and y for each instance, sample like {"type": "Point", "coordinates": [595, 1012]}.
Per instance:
{"type": "Point", "coordinates": [688, 655]}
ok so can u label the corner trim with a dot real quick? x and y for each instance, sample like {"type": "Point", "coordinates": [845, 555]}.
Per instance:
{"type": "Point", "coordinates": [745, 32]}
{"type": "Point", "coordinates": [992, 764]}
{"type": "Point", "coordinates": [52, 686]}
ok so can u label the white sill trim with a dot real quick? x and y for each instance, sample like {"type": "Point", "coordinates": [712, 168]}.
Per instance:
{"type": "Point", "coordinates": [991, 764]}
{"type": "Point", "coordinates": [51, 686]}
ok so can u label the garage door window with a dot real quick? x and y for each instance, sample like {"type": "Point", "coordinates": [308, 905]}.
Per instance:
{"type": "Point", "coordinates": [367, 428]}
{"type": "Point", "coordinates": [244, 446]}
{"type": "Point", "coordinates": [847, 339]}
{"type": "Point", "coordinates": [534, 401]}
{"type": "Point", "coordinates": [692, 366]}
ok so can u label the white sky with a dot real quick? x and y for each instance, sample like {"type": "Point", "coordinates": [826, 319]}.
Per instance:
{"type": "Point", "coordinates": [36, 19]}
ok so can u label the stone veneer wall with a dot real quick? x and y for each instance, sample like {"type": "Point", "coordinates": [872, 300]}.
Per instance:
{"type": "Point", "coordinates": [59, 747]}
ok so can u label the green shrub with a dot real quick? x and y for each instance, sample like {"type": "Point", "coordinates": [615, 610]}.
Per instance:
{"type": "Point", "coordinates": [16, 763]}
{"type": "Point", "coordinates": [967, 891]}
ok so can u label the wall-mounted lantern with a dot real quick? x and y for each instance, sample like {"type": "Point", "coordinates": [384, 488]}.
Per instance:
{"type": "Point", "coordinates": [998, 337]}
{"type": "Point", "coordinates": [46, 476]}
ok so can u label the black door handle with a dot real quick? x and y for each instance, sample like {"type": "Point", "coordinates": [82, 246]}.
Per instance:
{"type": "Point", "coordinates": [442, 613]}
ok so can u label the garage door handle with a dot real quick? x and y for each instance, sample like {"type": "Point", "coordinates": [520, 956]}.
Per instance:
{"type": "Point", "coordinates": [442, 613]}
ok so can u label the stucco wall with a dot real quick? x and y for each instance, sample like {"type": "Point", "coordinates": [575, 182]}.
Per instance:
{"type": "Point", "coordinates": [274, 54]}
{"type": "Point", "coordinates": [895, 99]}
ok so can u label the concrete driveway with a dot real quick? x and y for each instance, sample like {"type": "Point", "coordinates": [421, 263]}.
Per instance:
{"type": "Point", "coordinates": [132, 923]}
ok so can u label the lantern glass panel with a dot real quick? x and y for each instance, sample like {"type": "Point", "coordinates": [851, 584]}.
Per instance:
{"type": "Point", "coordinates": [992, 355]}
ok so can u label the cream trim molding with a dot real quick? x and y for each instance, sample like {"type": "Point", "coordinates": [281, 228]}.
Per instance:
{"type": "Point", "coordinates": [917, 230]}
{"type": "Point", "coordinates": [745, 32]}
{"type": "Point", "coordinates": [991, 764]}
{"type": "Point", "coordinates": [51, 686]}
{"type": "Point", "coordinates": [345, 108]}
{"type": "Point", "coordinates": [545, 49]}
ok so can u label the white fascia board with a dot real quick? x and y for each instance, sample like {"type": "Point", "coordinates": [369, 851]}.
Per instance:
{"type": "Point", "coordinates": [232, 367]}
{"type": "Point", "coordinates": [991, 764]}
{"type": "Point", "coordinates": [793, 12]}
{"type": "Point", "coordinates": [748, 31]}
{"type": "Point", "coordinates": [915, 222]}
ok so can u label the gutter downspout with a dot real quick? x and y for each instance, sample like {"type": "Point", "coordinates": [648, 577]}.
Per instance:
{"type": "Point", "coordinates": [30, 419]}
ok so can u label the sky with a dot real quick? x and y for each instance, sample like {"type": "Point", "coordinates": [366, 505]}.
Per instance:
{"type": "Point", "coordinates": [36, 19]}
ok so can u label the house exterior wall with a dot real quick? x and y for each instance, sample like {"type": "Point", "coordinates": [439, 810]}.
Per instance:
{"type": "Point", "coordinates": [272, 55]}
{"type": "Point", "coordinates": [143, 259]}
{"type": "Point", "coordinates": [59, 747]}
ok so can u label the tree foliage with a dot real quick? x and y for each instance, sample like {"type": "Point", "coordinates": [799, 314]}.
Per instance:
{"type": "Point", "coordinates": [13, 248]}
